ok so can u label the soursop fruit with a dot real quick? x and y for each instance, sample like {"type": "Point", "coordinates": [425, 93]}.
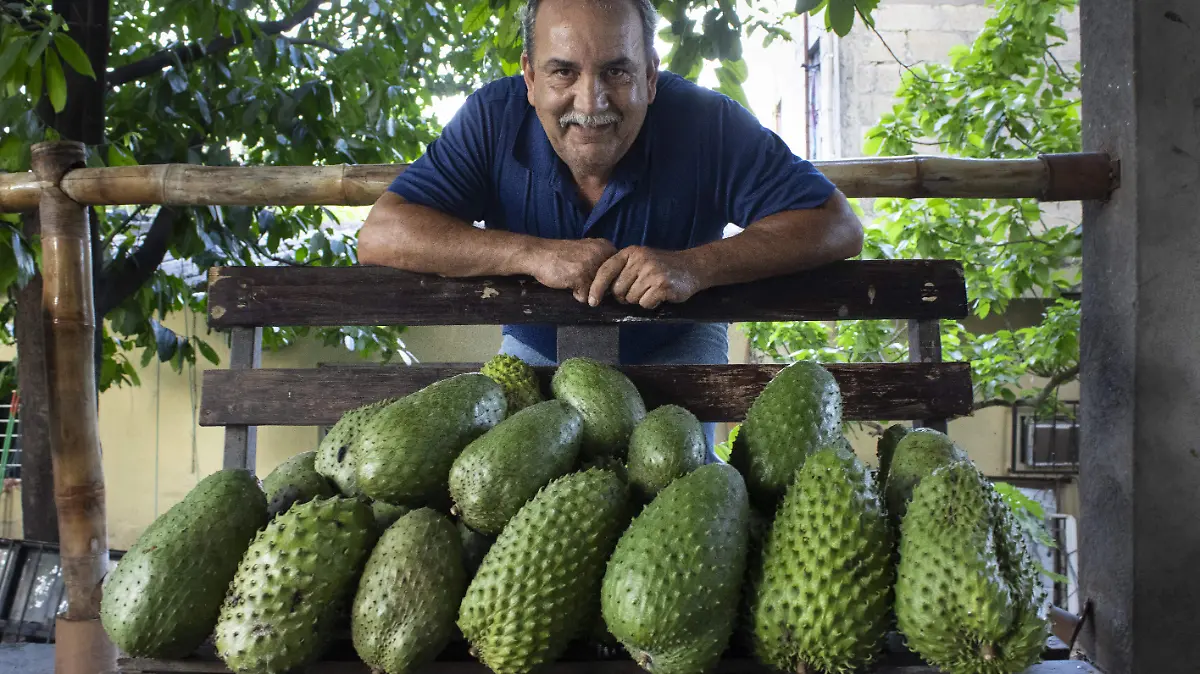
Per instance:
{"type": "Point", "coordinates": [538, 587]}
{"type": "Point", "coordinates": [407, 598]}
{"type": "Point", "coordinates": [885, 449]}
{"type": "Point", "coordinates": [797, 412]}
{"type": "Point", "coordinates": [823, 601]}
{"type": "Point", "coordinates": [334, 458]}
{"type": "Point", "coordinates": [967, 596]}
{"type": "Point", "coordinates": [386, 514]}
{"type": "Point", "coordinates": [295, 580]}
{"type": "Point", "coordinates": [671, 589]}
{"type": "Point", "coordinates": [474, 546]}
{"type": "Point", "coordinates": [609, 402]}
{"type": "Point", "coordinates": [502, 469]}
{"type": "Point", "coordinates": [669, 443]}
{"type": "Point", "coordinates": [404, 452]}
{"type": "Point", "coordinates": [518, 379]}
{"type": "Point", "coordinates": [917, 454]}
{"type": "Point", "coordinates": [294, 481]}
{"type": "Point", "coordinates": [164, 596]}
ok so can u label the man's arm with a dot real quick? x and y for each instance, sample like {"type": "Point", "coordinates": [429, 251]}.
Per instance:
{"type": "Point", "coordinates": [423, 239]}
{"type": "Point", "coordinates": [781, 243]}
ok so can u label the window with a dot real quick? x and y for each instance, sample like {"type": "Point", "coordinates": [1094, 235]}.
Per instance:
{"type": "Point", "coordinates": [1042, 444]}
{"type": "Point", "coordinates": [812, 68]}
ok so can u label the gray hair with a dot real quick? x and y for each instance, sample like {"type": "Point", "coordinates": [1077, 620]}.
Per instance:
{"type": "Point", "coordinates": [645, 9]}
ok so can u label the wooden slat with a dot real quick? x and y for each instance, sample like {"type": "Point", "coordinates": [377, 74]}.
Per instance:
{"type": "Point", "coordinates": [719, 393]}
{"type": "Point", "coordinates": [365, 295]}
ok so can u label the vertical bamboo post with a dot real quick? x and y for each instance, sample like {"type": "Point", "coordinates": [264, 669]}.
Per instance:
{"type": "Point", "coordinates": [69, 314]}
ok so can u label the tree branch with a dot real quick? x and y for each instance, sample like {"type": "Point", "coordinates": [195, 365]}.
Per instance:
{"type": "Point", "coordinates": [191, 52]}
{"type": "Point", "coordinates": [317, 43]}
{"type": "Point", "coordinates": [1062, 377]}
{"type": "Point", "coordinates": [123, 277]}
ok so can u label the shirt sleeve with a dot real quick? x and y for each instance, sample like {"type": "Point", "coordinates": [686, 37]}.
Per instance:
{"type": "Point", "coordinates": [453, 175]}
{"type": "Point", "coordinates": [759, 174]}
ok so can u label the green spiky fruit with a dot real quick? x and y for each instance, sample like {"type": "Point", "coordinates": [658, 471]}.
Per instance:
{"type": "Point", "coordinates": [294, 581]}
{"type": "Point", "coordinates": [917, 454]}
{"type": "Point", "coordinates": [474, 546]}
{"type": "Point", "coordinates": [502, 469]}
{"type": "Point", "coordinates": [163, 598]}
{"type": "Point", "coordinates": [885, 449]}
{"type": "Point", "coordinates": [967, 596]}
{"type": "Point", "coordinates": [823, 602]}
{"type": "Point", "coordinates": [334, 458]}
{"type": "Point", "coordinates": [670, 592]}
{"type": "Point", "coordinates": [294, 481]}
{"type": "Point", "coordinates": [518, 379]}
{"type": "Point", "coordinates": [405, 451]}
{"type": "Point", "coordinates": [386, 514]}
{"type": "Point", "coordinates": [669, 443]}
{"type": "Point", "coordinates": [610, 404]}
{"type": "Point", "coordinates": [796, 413]}
{"type": "Point", "coordinates": [407, 599]}
{"type": "Point", "coordinates": [538, 587]}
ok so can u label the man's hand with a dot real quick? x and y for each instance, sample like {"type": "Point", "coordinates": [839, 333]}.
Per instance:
{"type": "Point", "coordinates": [570, 264]}
{"type": "Point", "coordinates": [646, 276]}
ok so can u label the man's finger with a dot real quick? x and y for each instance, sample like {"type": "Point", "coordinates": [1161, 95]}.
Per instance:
{"type": "Point", "coordinates": [640, 287]}
{"type": "Point", "coordinates": [628, 277]}
{"type": "Point", "coordinates": [653, 298]}
{"type": "Point", "coordinates": [604, 277]}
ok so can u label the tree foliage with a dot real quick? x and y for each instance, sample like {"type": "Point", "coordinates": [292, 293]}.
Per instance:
{"type": "Point", "coordinates": [285, 82]}
{"type": "Point", "coordinates": [1003, 96]}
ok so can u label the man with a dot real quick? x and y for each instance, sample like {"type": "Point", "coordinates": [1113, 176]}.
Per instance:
{"type": "Point", "coordinates": [594, 172]}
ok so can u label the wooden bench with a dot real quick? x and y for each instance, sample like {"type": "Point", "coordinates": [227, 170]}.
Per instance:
{"type": "Point", "coordinates": [244, 300]}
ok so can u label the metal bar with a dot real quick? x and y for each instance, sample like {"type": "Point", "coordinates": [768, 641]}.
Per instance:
{"type": "Point", "coordinates": [241, 442]}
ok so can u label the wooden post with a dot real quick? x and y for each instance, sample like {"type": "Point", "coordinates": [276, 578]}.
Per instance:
{"type": "Point", "coordinates": [925, 346]}
{"type": "Point", "coordinates": [241, 442]}
{"type": "Point", "coordinates": [82, 645]}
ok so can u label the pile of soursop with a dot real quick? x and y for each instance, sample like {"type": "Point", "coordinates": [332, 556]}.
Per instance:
{"type": "Point", "coordinates": [522, 523]}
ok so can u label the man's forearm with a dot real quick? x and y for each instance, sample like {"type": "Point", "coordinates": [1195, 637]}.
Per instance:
{"type": "Point", "coordinates": [420, 239]}
{"type": "Point", "coordinates": [780, 244]}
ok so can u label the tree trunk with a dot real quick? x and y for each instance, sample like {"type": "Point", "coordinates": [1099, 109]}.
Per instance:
{"type": "Point", "coordinates": [38, 513]}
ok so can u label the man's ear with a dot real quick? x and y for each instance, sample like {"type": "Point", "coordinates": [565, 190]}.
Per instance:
{"type": "Point", "coordinates": [527, 71]}
{"type": "Point", "coordinates": [652, 75]}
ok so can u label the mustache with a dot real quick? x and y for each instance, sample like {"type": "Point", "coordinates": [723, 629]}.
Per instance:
{"type": "Point", "coordinates": [601, 119]}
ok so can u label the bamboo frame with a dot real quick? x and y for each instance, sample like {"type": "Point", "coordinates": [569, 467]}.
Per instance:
{"type": "Point", "coordinates": [69, 320]}
{"type": "Point", "coordinates": [1054, 177]}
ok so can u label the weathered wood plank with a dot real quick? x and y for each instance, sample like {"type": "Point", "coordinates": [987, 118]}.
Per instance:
{"type": "Point", "coordinates": [366, 295]}
{"type": "Point", "coordinates": [719, 393]}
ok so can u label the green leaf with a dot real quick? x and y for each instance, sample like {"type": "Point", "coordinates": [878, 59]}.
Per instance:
{"type": "Point", "coordinates": [34, 82]}
{"type": "Point", "coordinates": [207, 351]}
{"type": "Point", "coordinates": [12, 52]}
{"type": "Point", "coordinates": [35, 52]}
{"type": "Point", "coordinates": [803, 6]}
{"type": "Point", "coordinates": [56, 82]}
{"type": "Point", "coordinates": [73, 54]}
{"type": "Point", "coordinates": [477, 18]}
{"type": "Point", "coordinates": [840, 16]}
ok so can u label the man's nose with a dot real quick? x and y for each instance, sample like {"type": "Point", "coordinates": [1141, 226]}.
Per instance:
{"type": "Point", "coordinates": [592, 95]}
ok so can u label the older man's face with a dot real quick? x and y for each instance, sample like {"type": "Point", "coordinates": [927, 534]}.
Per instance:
{"type": "Point", "coordinates": [589, 80]}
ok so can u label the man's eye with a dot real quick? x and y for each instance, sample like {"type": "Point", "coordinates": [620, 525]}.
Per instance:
{"type": "Point", "coordinates": [562, 72]}
{"type": "Point", "coordinates": [616, 72]}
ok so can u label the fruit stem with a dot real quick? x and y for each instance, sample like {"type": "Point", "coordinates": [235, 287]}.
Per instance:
{"type": "Point", "coordinates": [988, 651]}
{"type": "Point", "coordinates": [801, 667]}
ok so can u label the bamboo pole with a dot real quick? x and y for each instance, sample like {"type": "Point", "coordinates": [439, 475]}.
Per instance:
{"type": "Point", "coordinates": [69, 316]}
{"type": "Point", "coordinates": [1056, 177]}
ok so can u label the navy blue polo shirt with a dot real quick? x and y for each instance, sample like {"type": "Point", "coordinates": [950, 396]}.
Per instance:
{"type": "Point", "coordinates": [700, 162]}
